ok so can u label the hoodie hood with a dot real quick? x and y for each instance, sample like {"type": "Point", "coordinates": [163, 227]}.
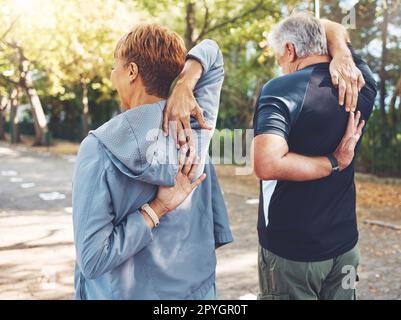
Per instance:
{"type": "Point", "coordinates": [135, 143]}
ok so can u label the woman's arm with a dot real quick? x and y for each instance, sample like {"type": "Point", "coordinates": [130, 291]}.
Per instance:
{"type": "Point", "coordinates": [344, 73]}
{"type": "Point", "coordinates": [196, 92]}
{"type": "Point", "coordinates": [101, 245]}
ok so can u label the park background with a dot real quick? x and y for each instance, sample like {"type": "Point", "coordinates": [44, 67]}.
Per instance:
{"type": "Point", "coordinates": [55, 62]}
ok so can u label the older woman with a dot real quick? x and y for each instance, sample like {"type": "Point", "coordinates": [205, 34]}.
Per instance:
{"type": "Point", "coordinates": [142, 230]}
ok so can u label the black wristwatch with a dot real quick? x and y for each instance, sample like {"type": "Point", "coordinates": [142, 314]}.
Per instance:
{"type": "Point", "coordinates": [334, 164]}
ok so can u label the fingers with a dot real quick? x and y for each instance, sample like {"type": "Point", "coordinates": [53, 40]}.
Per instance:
{"type": "Point", "coordinates": [188, 161]}
{"type": "Point", "coordinates": [199, 117]}
{"type": "Point", "coordinates": [181, 135]}
{"type": "Point", "coordinates": [348, 97]}
{"type": "Point", "coordinates": [356, 120]}
{"type": "Point", "coordinates": [361, 81]}
{"type": "Point", "coordinates": [187, 132]}
{"type": "Point", "coordinates": [341, 91]}
{"type": "Point", "coordinates": [359, 129]}
{"type": "Point", "coordinates": [198, 181]}
{"type": "Point", "coordinates": [334, 78]}
{"type": "Point", "coordinates": [174, 131]}
{"type": "Point", "coordinates": [194, 168]}
{"type": "Point", "coordinates": [350, 125]}
{"type": "Point", "coordinates": [165, 122]}
{"type": "Point", "coordinates": [182, 158]}
{"type": "Point", "coordinates": [355, 91]}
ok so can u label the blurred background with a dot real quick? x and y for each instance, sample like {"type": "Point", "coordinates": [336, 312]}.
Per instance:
{"type": "Point", "coordinates": [55, 62]}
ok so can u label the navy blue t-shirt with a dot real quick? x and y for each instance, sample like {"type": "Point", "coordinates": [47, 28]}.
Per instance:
{"type": "Point", "coordinates": [311, 220]}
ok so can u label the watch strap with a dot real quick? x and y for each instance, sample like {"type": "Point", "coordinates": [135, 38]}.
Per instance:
{"type": "Point", "coordinates": [334, 163]}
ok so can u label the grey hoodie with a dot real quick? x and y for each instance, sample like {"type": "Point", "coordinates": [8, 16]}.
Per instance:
{"type": "Point", "coordinates": [118, 169]}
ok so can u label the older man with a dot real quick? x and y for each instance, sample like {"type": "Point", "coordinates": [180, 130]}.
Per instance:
{"type": "Point", "coordinates": [307, 222]}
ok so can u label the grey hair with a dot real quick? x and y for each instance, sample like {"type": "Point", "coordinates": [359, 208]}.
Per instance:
{"type": "Point", "coordinates": [304, 31]}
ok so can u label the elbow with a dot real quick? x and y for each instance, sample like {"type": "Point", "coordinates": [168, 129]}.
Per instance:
{"type": "Point", "coordinates": [89, 273]}
{"type": "Point", "coordinates": [266, 171]}
{"type": "Point", "coordinates": [88, 265]}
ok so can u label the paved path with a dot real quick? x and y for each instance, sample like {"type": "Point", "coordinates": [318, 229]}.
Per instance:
{"type": "Point", "coordinates": [36, 242]}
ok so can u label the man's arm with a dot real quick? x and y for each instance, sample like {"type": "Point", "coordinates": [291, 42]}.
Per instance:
{"type": "Point", "coordinates": [273, 161]}
{"type": "Point", "coordinates": [344, 73]}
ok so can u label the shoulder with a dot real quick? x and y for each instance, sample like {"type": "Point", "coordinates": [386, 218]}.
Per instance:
{"type": "Point", "coordinates": [284, 85]}
{"type": "Point", "coordinates": [89, 145]}
{"type": "Point", "coordinates": [287, 91]}
{"type": "Point", "coordinates": [91, 153]}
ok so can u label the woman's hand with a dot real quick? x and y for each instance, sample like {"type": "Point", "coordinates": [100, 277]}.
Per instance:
{"type": "Point", "coordinates": [181, 104]}
{"type": "Point", "coordinates": [348, 79]}
{"type": "Point", "coordinates": [344, 73]}
{"type": "Point", "coordinates": [346, 149]}
{"type": "Point", "coordinates": [169, 198]}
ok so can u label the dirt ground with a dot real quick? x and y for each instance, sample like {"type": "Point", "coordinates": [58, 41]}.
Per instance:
{"type": "Point", "coordinates": [36, 241]}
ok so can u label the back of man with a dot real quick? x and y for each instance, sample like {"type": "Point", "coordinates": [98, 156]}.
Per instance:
{"type": "Point", "coordinates": [311, 220]}
{"type": "Point", "coordinates": [307, 221]}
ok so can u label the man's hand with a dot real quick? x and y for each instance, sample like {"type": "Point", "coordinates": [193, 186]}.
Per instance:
{"type": "Point", "coordinates": [274, 161]}
{"type": "Point", "coordinates": [346, 149]}
{"type": "Point", "coordinates": [348, 79]}
{"type": "Point", "coordinates": [182, 104]}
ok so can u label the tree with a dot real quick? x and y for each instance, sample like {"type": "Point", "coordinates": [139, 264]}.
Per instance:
{"type": "Point", "coordinates": [65, 45]}
{"type": "Point", "coordinates": [3, 105]}
{"type": "Point", "coordinates": [239, 27]}
{"type": "Point", "coordinates": [22, 50]}
{"type": "Point", "coordinates": [88, 31]}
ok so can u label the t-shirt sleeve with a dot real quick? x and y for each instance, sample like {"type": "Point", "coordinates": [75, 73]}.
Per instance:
{"type": "Point", "coordinates": [271, 116]}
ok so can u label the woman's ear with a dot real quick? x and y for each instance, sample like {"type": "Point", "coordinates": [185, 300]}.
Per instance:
{"type": "Point", "coordinates": [133, 71]}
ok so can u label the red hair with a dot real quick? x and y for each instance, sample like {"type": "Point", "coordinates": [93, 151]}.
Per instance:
{"type": "Point", "coordinates": [158, 52]}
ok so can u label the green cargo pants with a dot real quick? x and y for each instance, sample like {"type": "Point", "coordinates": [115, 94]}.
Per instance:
{"type": "Point", "coordinates": [282, 279]}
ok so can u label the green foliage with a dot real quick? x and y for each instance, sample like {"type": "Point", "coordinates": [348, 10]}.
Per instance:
{"type": "Point", "coordinates": [380, 151]}
{"type": "Point", "coordinates": [70, 44]}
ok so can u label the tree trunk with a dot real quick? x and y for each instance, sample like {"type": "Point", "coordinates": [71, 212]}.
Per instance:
{"type": "Point", "coordinates": [382, 73]}
{"type": "Point", "coordinates": [2, 122]}
{"type": "Point", "coordinates": [392, 109]}
{"type": "Point", "coordinates": [39, 119]}
{"type": "Point", "coordinates": [14, 129]}
{"type": "Point", "coordinates": [85, 109]}
{"type": "Point", "coordinates": [38, 114]}
{"type": "Point", "coordinates": [190, 25]}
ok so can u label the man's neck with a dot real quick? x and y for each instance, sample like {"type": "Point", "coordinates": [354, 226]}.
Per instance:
{"type": "Point", "coordinates": [307, 61]}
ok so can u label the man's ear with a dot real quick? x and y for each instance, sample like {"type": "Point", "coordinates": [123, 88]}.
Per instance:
{"type": "Point", "coordinates": [133, 71]}
{"type": "Point", "coordinates": [290, 48]}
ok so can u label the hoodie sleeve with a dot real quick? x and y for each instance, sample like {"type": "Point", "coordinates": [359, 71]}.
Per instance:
{"type": "Point", "coordinates": [221, 224]}
{"type": "Point", "coordinates": [101, 245]}
{"type": "Point", "coordinates": [207, 93]}
{"type": "Point", "coordinates": [207, 90]}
